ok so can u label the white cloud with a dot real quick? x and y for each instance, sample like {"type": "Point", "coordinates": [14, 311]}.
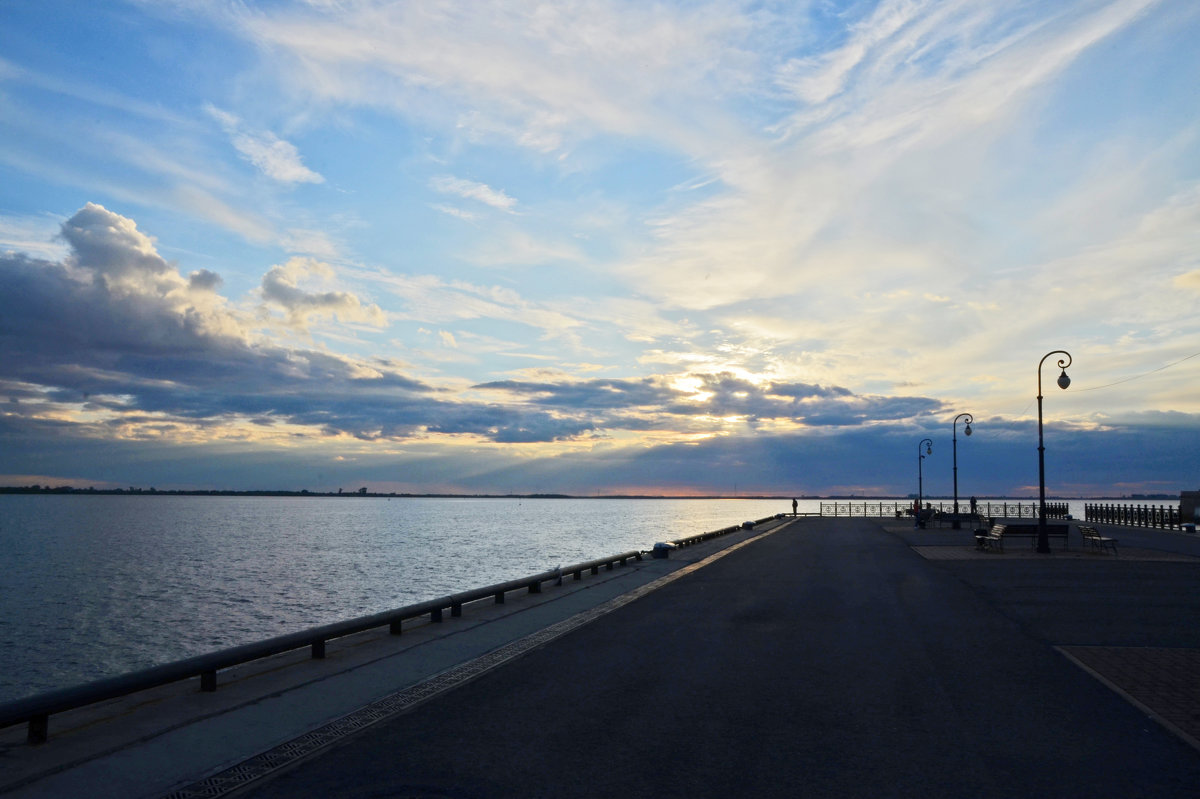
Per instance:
{"type": "Point", "coordinates": [815, 79]}
{"type": "Point", "coordinates": [471, 190]}
{"type": "Point", "coordinates": [34, 235]}
{"type": "Point", "coordinates": [207, 206]}
{"type": "Point", "coordinates": [309, 242]}
{"type": "Point", "coordinates": [518, 248]}
{"type": "Point", "coordinates": [541, 76]}
{"type": "Point", "coordinates": [112, 248]}
{"type": "Point", "coordinates": [274, 157]}
{"type": "Point", "coordinates": [432, 300]}
{"type": "Point", "coordinates": [1189, 280]}
{"type": "Point", "coordinates": [284, 287]}
{"type": "Point", "coordinates": [458, 213]}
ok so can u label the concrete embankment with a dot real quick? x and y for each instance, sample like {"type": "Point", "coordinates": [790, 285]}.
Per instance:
{"type": "Point", "coordinates": [828, 657]}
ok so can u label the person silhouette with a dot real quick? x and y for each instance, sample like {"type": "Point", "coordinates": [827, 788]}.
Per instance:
{"type": "Point", "coordinates": [793, 507]}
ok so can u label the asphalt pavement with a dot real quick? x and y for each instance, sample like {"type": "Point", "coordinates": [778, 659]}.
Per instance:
{"type": "Point", "coordinates": [828, 658]}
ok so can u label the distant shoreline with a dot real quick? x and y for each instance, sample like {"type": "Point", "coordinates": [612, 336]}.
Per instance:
{"type": "Point", "coordinates": [362, 493]}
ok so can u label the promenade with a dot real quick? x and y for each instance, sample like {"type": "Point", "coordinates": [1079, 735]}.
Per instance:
{"type": "Point", "coordinates": [816, 657]}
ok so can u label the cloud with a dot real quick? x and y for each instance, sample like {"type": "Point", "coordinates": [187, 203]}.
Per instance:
{"type": "Point", "coordinates": [204, 280]}
{"type": "Point", "coordinates": [32, 235]}
{"type": "Point", "coordinates": [541, 77]}
{"type": "Point", "coordinates": [274, 157]}
{"type": "Point", "coordinates": [309, 242]}
{"type": "Point", "coordinates": [198, 202]}
{"type": "Point", "coordinates": [434, 300]}
{"type": "Point", "coordinates": [115, 319]}
{"type": "Point", "coordinates": [716, 397]}
{"type": "Point", "coordinates": [450, 210]}
{"type": "Point", "coordinates": [817, 79]}
{"type": "Point", "coordinates": [112, 350]}
{"type": "Point", "coordinates": [114, 343]}
{"type": "Point", "coordinates": [112, 248]}
{"type": "Point", "coordinates": [470, 190]}
{"type": "Point", "coordinates": [1189, 280]}
{"type": "Point", "coordinates": [281, 288]}
{"type": "Point", "coordinates": [517, 248]}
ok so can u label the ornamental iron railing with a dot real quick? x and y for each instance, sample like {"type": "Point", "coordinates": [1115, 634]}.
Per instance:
{"type": "Point", "coordinates": [1163, 517]}
{"type": "Point", "coordinates": [989, 508]}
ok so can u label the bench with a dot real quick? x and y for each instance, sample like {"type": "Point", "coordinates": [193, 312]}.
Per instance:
{"type": "Point", "coordinates": [1030, 531]}
{"type": "Point", "coordinates": [942, 519]}
{"type": "Point", "coordinates": [992, 539]}
{"type": "Point", "coordinates": [1092, 536]}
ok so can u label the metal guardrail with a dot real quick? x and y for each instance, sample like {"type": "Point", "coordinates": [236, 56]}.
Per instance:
{"type": "Point", "coordinates": [1165, 518]}
{"type": "Point", "coordinates": [696, 539]}
{"type": "Point", "coordinates": [36, 710]}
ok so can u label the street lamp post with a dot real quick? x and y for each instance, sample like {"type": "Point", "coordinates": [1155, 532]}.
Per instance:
{"type": "Point", "coordinates": [927, 445]}
{"type": "Point", "coordinates": [1043, 541]}
{"type": "Point", "coordinates": [957, 525]}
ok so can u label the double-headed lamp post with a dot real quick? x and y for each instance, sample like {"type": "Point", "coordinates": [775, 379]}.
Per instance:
{"type": "Point", "coordinates": [957, 525]}
{"type": "Point", "coordinates": [1043, 541]}
{"type": "Point", "coordinates": [927, 445]}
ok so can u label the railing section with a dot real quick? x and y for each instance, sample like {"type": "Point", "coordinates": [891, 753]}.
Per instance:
{"type": "Point", "coordinates": [1166, 518]}
{"type": "Point", "coordinates": [896, 508]}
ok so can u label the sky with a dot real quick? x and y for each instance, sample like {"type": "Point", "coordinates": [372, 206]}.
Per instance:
{"type": "Point", "coordinates": [600, 247]}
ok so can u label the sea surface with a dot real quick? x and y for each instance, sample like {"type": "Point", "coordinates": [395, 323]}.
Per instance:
{"type": "Point", "coordinates": [96, 586]}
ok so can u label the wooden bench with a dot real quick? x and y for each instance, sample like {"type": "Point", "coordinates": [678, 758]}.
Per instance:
{"type": "Point", "coordinates": [1030, 531]}
{"type": "Point", "coordinates": [942, 519]}
{"type": "Point", "coordinates": [992, 539]}
{"type": "Point", "coordinates": [1092, 536]}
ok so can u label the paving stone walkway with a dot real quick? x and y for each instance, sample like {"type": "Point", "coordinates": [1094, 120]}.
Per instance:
{"type": "Point", "coordinates": [1164, 682]}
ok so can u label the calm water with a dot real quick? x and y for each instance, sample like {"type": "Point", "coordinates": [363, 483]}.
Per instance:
{"type": "Point", "coordinates": [98, 586]}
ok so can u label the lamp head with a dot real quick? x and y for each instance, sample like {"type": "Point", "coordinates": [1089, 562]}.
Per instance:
{"type": "Point", "coordinates": [967, 429]}
{"type": "Point", "coordinates": [1063, 379]}
{"type": "Point", "coordinates": [929, 449]}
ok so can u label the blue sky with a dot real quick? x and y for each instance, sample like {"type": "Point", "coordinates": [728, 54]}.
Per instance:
{"type": "Point", "coordinates": [599, 247]}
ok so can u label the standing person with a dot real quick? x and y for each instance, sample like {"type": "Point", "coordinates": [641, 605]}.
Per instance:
{"type": "Point", "coordinates": [793, 506]}
{"type": "Point", "coordinates": [974, 504]}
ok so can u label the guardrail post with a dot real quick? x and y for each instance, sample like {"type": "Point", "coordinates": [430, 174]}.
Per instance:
{"type": "Point", "coordinates": [595, 570]}
{"type": "Point", "coordinates": [535, 587]}
{"type": "Point", "coordinates": [578, 574]}
{"type": "Point", "coordinates": [208, 681]}
{"type": "Point", "coordinates": [39, 729]}
{"type": "Point", "coordinates": [499, 597]}
{"type": "Point", "coordinates": [396, 627]}
{"type": "Point", "coordinates": [435, 615]}
{"type": "Point", "coordinates": [456, 609]}
{"type": "Point", "coordinates": [318, 649]}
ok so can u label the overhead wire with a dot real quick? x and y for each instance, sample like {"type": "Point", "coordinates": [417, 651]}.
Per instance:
{"type": "Point", "coordinates": [1143, 374]}
{"type": "Point", "coordinates": [1124, 380]}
